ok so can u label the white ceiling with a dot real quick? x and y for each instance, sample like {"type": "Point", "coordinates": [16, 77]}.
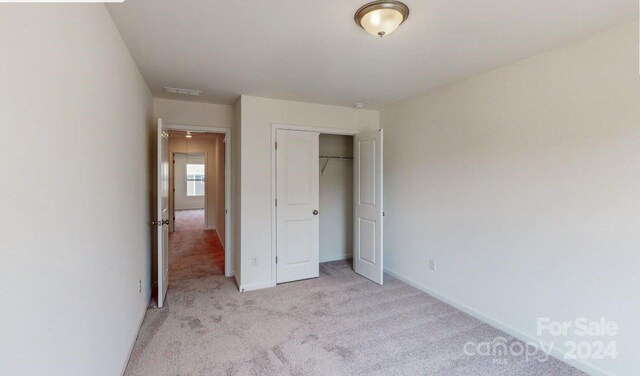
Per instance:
{"type": "Point", "coordinates": [312, 50]}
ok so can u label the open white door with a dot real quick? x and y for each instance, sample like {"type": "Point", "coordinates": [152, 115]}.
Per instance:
{"type": "Point", "coordinates": [297, 203]}
{"type": "Point", "coordinates": [162, 222]}
{"type": "Point", "coordinates": [367, 201]}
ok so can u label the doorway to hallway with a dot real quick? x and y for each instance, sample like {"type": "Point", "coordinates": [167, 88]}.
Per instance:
{"type": "Point", "coordinates": [197, 187]}
{"type": "Point", "coordinates": [187, 251]}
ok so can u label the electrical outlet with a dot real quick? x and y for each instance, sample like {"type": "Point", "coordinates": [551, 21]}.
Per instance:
{"type": "Point", "coordinates": [254, 261]}
{"type": "Point", "coordinates": [432, 265]}
{"type": "Point", "coordinates": [139, 285]}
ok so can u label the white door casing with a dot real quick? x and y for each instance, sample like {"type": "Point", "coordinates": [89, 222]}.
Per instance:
{"type": "Point", "coordinates": [298, 200]}
{"type": "Point", "coordinates": [162, 218]}
{"type": "Point", "coordinates": [368, 208]}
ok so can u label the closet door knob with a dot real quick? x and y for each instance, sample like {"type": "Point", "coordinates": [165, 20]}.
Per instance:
{"type": "Point", "coordinates": [315, 212]}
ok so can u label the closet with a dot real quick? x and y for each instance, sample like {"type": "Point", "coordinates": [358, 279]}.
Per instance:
{"type": "Point", "coordinates": [336, 197]}
{"type": "Point", "coordinates": [328, 202]}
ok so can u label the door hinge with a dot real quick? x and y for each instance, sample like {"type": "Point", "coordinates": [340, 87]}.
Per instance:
{"type": "Point", "coordinates": [276, 259]}
{"type": "Point", "coordinates": [276, 202]}
{"type": "Point", "coordinates": [276, 146]}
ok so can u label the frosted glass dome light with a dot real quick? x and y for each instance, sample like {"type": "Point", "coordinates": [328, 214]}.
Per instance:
{"type": "Point", "coordinates": [381, 18]}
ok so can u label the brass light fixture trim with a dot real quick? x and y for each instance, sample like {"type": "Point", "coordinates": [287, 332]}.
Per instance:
{"type": "Point", "coordinates": [379, 5]}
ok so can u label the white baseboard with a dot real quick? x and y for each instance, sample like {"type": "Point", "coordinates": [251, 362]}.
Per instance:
{"type": "Point", "coordinates": [555, 352]}
{"type": "Point", "coordinates": [133, 341]}
{"type": "Point", "coordinates": [218, 234]}
{"type": "Point", "coordinates": [256, 286]}
{"type": "Point", "coordinates": [226, 254]}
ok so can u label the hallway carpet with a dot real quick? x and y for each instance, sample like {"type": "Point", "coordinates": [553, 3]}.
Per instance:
{"type": "Point", "coordinates": [189, 220]}
{"type": "Point", "coordinates": [193, 251]}
{"type": "Point", "coordinates": [338, 324]}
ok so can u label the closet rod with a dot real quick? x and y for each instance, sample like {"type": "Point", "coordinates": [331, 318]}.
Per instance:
{"type": "Point", "coordinates": [334, 157]}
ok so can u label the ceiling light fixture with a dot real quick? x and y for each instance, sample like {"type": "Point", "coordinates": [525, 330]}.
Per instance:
{"type": "Point", "coordinates": [381, 18]}
{"type": "Point", "coordinates": [188, 135]}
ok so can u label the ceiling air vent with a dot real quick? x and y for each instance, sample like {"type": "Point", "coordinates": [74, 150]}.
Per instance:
{"type": "Point", "coordinates": [177, 91]}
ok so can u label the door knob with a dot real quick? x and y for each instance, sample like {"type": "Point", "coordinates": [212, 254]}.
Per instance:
{"type": "Point", "coordinates": [315, 212]}
{"type": "Point", "coordinates": [156, 223]}
{"type": "Point", "coordinates": [165, 222]}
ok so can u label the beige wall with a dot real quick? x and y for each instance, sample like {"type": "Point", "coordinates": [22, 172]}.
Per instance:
{"type": "Point", "coordinates": [522, 184]}
{"type": "Point", "coordinates": [336, 199]}
{"type": "Point", "coordinates": [76, 118]}
{"type": "Point", "coordinates": [257, 116]}
{"type": "Point", "coordinates": [193, 113]}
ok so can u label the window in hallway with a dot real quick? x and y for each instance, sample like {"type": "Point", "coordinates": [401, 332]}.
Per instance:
{"type": "Point", "coordinates": [195, 179]}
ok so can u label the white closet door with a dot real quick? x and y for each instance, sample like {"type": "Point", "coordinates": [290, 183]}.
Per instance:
{"type": "Point", "coordinates": [163, 213]}
{"type": "Point", "coordinates": [298, 200]}
{"type": "Point", "coordinates": [367, 200]}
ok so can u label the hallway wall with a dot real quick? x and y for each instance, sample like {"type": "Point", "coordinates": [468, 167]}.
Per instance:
{"type": "Point", "coordinates": [219, 180]}
{"type": "Point", "coordinates": [173, 111]}
{"type": "Point", "coordinates": [76, 120]}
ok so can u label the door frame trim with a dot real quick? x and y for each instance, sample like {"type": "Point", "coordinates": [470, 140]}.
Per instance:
{"type": "Point", "coordinates": [291, 127]}
{"type": "Point", "coordinates": [228, 195]}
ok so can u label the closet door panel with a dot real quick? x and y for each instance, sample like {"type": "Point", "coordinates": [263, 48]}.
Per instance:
{"type": "Point", "coordinates": [297, 215]}
{"type": "Point", "coordinates": [368, 224]}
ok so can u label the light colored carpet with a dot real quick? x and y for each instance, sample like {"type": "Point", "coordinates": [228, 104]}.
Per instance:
{"type": "Point", "coordinates": [338, 324]}
{"type": "Point", "coordinates": [189, 220]}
